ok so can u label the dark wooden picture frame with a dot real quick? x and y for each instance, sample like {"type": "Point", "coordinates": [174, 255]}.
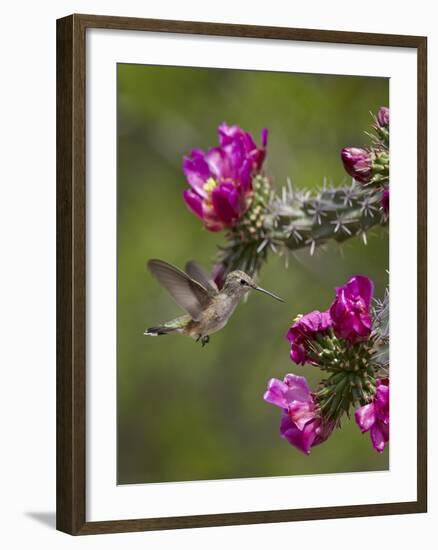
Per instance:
{"type": "Point", "coordinates": [71, 271]}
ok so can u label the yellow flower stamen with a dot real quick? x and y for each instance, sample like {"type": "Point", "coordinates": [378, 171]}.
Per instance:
{"type": "Point", "coordinates": [209, 185]}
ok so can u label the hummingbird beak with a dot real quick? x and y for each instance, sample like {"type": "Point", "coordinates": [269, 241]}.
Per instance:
{"type": "Point", "coordinates": [260, 289]}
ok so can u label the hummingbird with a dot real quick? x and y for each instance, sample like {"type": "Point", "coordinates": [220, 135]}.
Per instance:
{"type": "Point", "coordinates": [208, 308]}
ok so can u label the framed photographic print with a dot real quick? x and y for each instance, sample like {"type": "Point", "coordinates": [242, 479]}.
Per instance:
{"type": "Point", "coordinates": [241, 284]}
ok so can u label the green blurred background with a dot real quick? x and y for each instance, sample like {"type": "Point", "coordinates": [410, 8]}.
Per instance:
{"type": "Point", "coordinates": [192, 413]}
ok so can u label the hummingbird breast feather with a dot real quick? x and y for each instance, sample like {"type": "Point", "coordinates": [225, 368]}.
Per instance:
{"type": "Point", "coordinates": [214, 317]}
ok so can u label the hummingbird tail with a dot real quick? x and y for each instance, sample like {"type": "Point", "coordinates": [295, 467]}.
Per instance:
{"type": "Point", "coordinates": [158, 331]}
{"type": "Point", "coordinates": [175, 325]}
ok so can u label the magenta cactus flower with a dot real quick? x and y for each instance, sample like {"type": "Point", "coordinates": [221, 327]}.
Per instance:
{"type": "Point", "coordinates": [385, 200]}
{"type": "Point", "coordinates": [301, 423]}
{"type": "Point", "coordinates": [374, 417]}
{"type": "Point", "coordinates": [383, 117]}
{"type": "Point", "coordinates": [221, 179]}
{"type": "Point", "coordinates": [304, 329]}
{"type": "Point", "coordinates": [358, 163]}
{"type": "Point", "coordinates": [350, 311]}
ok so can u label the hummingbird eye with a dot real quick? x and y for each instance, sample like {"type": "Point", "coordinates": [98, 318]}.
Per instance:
{"type": "Point", "coordinates": [243, 282]}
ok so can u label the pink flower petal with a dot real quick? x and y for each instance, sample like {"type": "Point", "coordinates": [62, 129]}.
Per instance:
{"type": "Point", "coordinates": [301, 439]}
{"type": "Point", "coordinates": [298, 354]}
{"type": "Point", "coordinates": [218, 163]}
{"type": "Point", "coordinates": [197, 173]}
{"type": "Point", "coordinates": [379, 436]}
{"type": "Point", "coordinates": [194, 202]}
{"type": "Point", "coordinates": [297, 388]}
{"type": "Point", "coordinates": [226, 202]}
{"type": "Point", "coordinates": [365, 417]}
{"type": "Point", "coordinates": [301, 413]}
{"type": "Point", "coordinates": [350, 309]}
{"type": "Point", "coordinates": [276, 393]}
{"type": "Point", "coordinates": [362, 286]}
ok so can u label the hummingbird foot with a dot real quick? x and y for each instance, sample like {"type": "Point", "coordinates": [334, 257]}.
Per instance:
{"type": "Point", "coordinates": [205, 340]}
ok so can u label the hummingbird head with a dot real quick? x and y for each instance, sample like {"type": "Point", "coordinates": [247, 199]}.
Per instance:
{"type": "Point", "coordinates": [238, 283]}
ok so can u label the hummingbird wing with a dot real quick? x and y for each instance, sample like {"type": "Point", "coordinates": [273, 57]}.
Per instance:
{"type": "Point", "coordinates": [187, 293]}
{"type": "Point", "coordinates": [198, 273]}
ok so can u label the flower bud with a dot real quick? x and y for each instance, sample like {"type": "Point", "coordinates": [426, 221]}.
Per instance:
{"type": "Point", "coordinates": [383, 117]}
{"type": "Point", "coordinates": [358, 163]}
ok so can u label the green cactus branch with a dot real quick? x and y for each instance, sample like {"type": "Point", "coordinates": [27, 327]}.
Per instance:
{"type": "Point", "coordinates": [299, 219]}
{"type": "Point", "coordinates": [296, 219]}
